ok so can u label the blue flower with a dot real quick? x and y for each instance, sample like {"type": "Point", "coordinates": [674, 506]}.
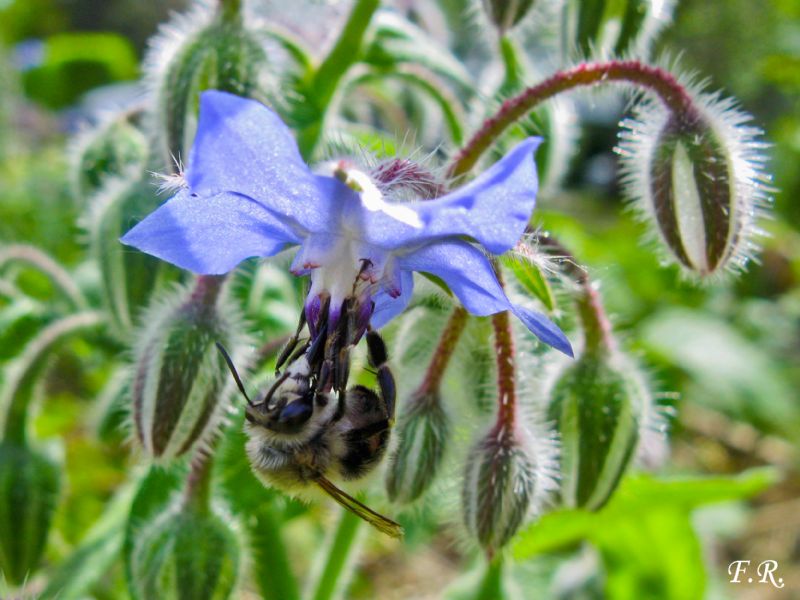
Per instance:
{"type": "Point", "coordinates": [249, 193]}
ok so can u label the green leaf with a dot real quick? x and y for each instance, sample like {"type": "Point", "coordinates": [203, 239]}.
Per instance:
{"type": "Point", "coordinates": [635, 496]}
{"type": "Point", "coordinates": [396, 41]}
{"type": "Point", "coordinates": [74, 63]}
{"type": "Point", "coordinates": [429, 85]}
{"type": "Point", "coordinates": [734, 375]}
{"type": "Point", "coordinates": [531, 278]}
{"type": "Point", "coordinates": [645, 513]}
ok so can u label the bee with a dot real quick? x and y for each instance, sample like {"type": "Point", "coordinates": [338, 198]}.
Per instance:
{"type": "Point", "coordinates": [310, 430]}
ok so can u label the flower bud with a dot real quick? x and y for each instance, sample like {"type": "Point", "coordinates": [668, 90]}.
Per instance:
{"type": "Point", "coordinates": [179, 374]}
{"type": "Point", "coordinates": [499, 487]}
{"type": "Point", "coordinates": [198, 51]}
{"type": "Point", "coordinates": [29, 487]}
{"type": "Point", "coordinates": [128, 277]}
{"type": "Point", "coordinates": [114, 148]}
{"type": "Point", "coordinates": [597, 404]}
{"type": "Point", "coordinates": [423, 432]}
{"type": "Point", "coordinates": [697, 176]}
{"type": "Point", "coordinates": [612, 28]}
{"type": "Point", "coordinates": [185, 554]}
{"type": "Point", "coordinates": [505, 14]}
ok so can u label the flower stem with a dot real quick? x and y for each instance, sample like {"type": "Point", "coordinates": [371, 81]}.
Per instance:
{"type": "Point", "coordinates": [338, 554]}
{"type": "Point", "coordinates": [344, 53]}
{"type": "Point", "coordinates": [444, 350]}
{"type": "Point", "coordinates": [197, 494]}
{"type": "Point", "coordinates": [205, 294]}
{"type": "Point", "coordinates": [37, 259]}
{"type": "Point", "coordinates": [230, 10]}
{"type": "Point", "coordinates": [596, 326]}
{"type": "Point", "coordinates": [655, 79]}
{"type": "Point", "coordinates": [491, 585]}
{"type": "Point", "coordinates": [273, 570]}
{"type": "Point", "coordinates": [21, 381]}
{"type": "Point", "coordinates": [506, 380]}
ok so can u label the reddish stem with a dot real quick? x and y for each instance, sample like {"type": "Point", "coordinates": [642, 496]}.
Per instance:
{"type": "Point", "coordinates": [506, 381]}
{"type": "Point", "coordinates": [197, 493]}
{"type": "Point", "coordinates": [444, 351]}
{"type": "Point", "coordinates": [596, 326]}
{"type": "Point", "coordinates": [655, 79]}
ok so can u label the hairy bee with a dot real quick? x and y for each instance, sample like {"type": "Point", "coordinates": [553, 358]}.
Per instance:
{"type": "Point", "coordinates": [309, 429]}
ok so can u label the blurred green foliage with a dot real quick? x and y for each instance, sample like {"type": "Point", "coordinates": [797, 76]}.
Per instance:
{"type": "Point", "coordinates": [731, 349]}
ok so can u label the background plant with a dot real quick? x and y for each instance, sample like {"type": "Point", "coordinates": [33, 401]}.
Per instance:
{"type": "Point", "coordinates": [80, 314]}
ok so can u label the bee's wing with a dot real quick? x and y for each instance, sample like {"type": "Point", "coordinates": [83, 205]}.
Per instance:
{"type": "Point", "coordinates": [378, 521]}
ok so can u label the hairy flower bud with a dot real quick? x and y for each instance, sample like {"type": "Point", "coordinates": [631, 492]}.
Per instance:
{"type": "Point", "coordinates": [128, 277]}
{"type": "Point", "coordinates": [185, 554]}
{"type": "Point", "coordinates": [29, 487]}
{"type": "Point", "coordinates": [505, 14]}
{"type": "Point", "coordinates": [423, 432]}
{"type": "Point", "coordinates": [200, 50]}
{"type": "Point", "coordinates": [113, 148]}
{"type": "Point", "coordinates": [612, 27]}
{"type": "Point", "coordinates": [598, 404]}
{"type": "Point", "coordinates": [697, 176]}
{"type": "Point", "coordinates": [500, 482]}
{"type": "Point", "coordinates": [180, 377]}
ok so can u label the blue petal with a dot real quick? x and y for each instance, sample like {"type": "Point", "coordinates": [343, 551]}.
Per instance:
{"type": "Point", "coordinates": [210, 235]}
{"type": "Point", "coordinates": [494, 208]}
{"type": "Point", "coordinates": [543, 328]}
{"type": "Point", "coordinates": [471, 277]}
{"type": "Point", "coordinates": [242, 146]}
{"type": "Point", "coordinates": [388, 307]}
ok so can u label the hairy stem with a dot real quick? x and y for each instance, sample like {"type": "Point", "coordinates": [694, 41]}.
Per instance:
{"type": "Point", "coordinates": [22, 378]}
{"type": "Point", "coordinates": [206, 290]}
{"type": "Point", "coordinates": [655, 79]}
{"type": "Point", "coordinates": [444, 350]}
{"type": "Point", "coordinates": [33, 257]}
{"type": "Point", "coordinates": [596, 326]}
{"type": "Point", "coordinates": [230, 10]}
{"type": "Point", "coordinates": [506, 380]}
{"type": "Point", "coordinates": [197, 494]}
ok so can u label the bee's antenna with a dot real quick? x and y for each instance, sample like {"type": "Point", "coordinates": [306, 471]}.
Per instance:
{"type": "Point", "coordinates": [232, 368]}
{"type": "Point", "coordinates": [281, 378]}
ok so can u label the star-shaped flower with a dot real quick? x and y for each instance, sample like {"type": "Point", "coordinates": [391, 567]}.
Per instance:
{"type": "Point", "coordinates": [249, 193]}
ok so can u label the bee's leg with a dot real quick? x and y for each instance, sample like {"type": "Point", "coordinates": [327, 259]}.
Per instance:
{"type": "Point", "coordinates": [378, 357]}
{"type": "Point", "coordinates": [289, 348]}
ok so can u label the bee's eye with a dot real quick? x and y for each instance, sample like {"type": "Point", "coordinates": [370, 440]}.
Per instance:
{"type": "Point", "coordinates": [294, 415]}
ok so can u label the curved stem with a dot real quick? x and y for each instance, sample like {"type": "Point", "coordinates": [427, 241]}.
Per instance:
{"type": "Point", "coordinates": [655, 79]}
{"type": "Point", "coordinates": [344, 53]}
{"type": "Point", "coordinates": [596, 326]}
{"type": "Point", "coordinates": [19, 386]}
{"type": "Point", "coordinates": [418, 77]}
{"type": "Point", "coordinates": [444, 351]}
{"type": "Point", "coordinates": [337, 557]}
{"type": "Point", "coordinates": [37, 259]}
